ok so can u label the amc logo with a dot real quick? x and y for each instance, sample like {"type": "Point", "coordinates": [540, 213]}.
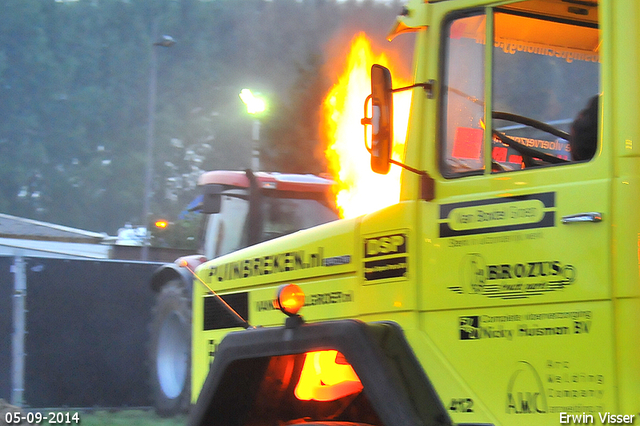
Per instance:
{"type": "Point", "coordinates": [388, 244]}
{"type": "Point", "coordinates": [525, 392]}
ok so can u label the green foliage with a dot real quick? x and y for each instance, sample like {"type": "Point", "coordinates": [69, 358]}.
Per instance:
{"type": "Point", "coordinates": [181, 233]}
{"type": "Point", "coordinates": [74, 98]}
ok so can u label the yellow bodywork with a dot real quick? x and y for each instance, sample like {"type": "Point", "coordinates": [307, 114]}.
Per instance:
{"type": "Point", "coordinates": [515, 316]}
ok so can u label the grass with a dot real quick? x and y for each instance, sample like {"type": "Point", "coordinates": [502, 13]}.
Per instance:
{"type": "Point", "coordinates": [129, 418]}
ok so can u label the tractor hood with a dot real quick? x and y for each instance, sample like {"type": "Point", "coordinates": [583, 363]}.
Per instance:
{"type": "Point", "coordinates": [338, 265]}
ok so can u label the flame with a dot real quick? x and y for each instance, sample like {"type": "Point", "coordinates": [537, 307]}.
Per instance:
{"type": "Point", "coordinates": [360, 190]}
{"type": "Point", "coordinates": [326, 376]}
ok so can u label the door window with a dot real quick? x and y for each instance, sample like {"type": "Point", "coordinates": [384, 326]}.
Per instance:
{"type": "Point", "coordinates": [463, 96]}
{"type": "Point", "coordinates": [544, 84]}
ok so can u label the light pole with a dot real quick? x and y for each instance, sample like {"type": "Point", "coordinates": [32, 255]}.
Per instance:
{"type": "Point", "coordinates": [255, 105]}
{"type": "Point", "coordinates": [164, 41]}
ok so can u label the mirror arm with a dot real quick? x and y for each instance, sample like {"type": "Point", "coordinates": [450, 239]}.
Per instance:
{"type": "Point", "coordinates": [428, 88]}
{"type": "Point", "coordinates": [366, 121]}
{"type": "Point", "coordinates": [427, 183]}
{"type": "Point", "coordinates": [409, 168]}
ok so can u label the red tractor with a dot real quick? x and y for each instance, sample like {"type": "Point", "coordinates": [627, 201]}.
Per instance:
{"type": "Point", "coordinates": [242, 209]}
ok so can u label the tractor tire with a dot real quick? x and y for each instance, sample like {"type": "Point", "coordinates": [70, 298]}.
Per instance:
{"type": "Point", "coordinates": [170, 350]}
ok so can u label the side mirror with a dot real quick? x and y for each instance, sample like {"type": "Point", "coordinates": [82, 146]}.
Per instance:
{"type": "Point", "coordinates": [211, 199]}
{"type": "Point", "coordinates": [381, 119]}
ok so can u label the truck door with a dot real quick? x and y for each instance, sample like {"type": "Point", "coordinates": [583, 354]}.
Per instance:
{"type": "Point", "coordinates": [521, 249]}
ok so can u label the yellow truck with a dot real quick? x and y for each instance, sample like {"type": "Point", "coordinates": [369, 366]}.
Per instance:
{"type": "Point", "coordinates": [504, 286]}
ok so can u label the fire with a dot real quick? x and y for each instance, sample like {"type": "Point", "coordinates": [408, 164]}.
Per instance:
{"type": "Point", "coordinates": [359, 189]}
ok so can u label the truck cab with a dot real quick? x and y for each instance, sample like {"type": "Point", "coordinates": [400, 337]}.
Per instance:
{"type": "Point", "coordinates": [510, 264]}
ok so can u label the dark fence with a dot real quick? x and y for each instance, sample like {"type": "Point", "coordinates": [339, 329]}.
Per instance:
{"type": "Point", "coordinates": [87, 332]}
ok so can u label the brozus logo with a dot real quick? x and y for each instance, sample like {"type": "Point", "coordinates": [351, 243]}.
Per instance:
{"type": "Point", "coordinates": [512, 280]}
{"type": "Point", "coordinates": [530, 270]}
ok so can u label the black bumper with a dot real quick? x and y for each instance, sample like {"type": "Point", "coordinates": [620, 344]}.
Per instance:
{"type": "Point", "coordinates": [244, 388]}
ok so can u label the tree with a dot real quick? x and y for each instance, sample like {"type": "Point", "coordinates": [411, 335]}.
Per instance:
{"type": "Point", "coordinates": [74, 98]}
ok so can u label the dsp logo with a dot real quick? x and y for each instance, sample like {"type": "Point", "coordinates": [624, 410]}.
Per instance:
{"type": "Point", "coordinates": [385, 257]}
{"type": "Point", "coordinates": [388, 244]}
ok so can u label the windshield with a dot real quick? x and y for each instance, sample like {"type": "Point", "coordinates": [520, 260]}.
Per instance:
{"type": "Point", "coordinates": [284, 216]}
{"type": "Point", "coordinates": [227, 231]}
